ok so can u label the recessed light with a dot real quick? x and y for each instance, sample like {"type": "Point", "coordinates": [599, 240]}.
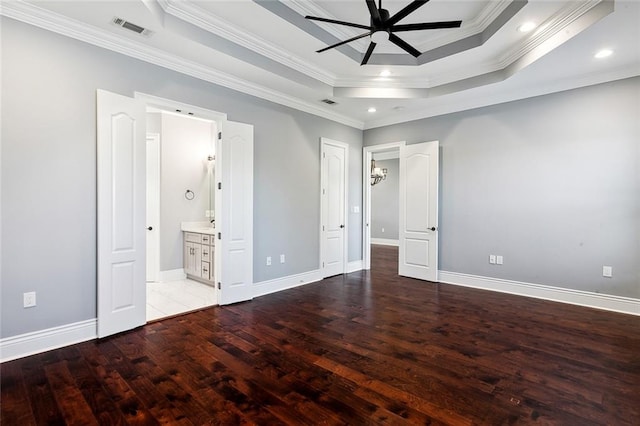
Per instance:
{"type": "Point", "coordinates": [526, 27]}
{"type": "Point", "coordinates": [372, 109]}
{"type": "Point", "coordinates": [385, 73]}
{"type": "Point", "coordinates": [603, 53]}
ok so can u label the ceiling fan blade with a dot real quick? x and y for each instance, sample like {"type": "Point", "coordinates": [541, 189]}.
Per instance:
{"type": "Point", "coordinates": [333, 21]}
{"type": "Point", "coordinates": [427, 26]}
{"type": "Point", "coordinates": [404, 45]}
{"type": "Point", "coordinates": [367, 55]}
{"type": "Point", "coordinates": [407, 10]}
{"type": "Point", "coordinates": [344, 42]}
{"type": "Point", "coordinates": [373, 10]}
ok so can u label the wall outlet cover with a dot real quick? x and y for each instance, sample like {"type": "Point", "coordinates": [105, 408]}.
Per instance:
{"type": "Point", "coordinates": [492, 259]}
{"type": "Point", "coordinates": [607, 271]}
{"type": "Point", "coordinates": [268, 260]}
{"type": "Point", "coordinates": [29, 299]}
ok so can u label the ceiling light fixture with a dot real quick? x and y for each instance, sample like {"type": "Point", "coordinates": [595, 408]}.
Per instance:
{"type": "Point", "coordinates": [385, 73]}
{"type": "Point", "coordinates": [372, 109]}
{"type": "Point", "coordinates": [379, 36]}
{"type": "Point", "coordinates": [603, 53]}
{"type": "Point", "coordinates": [526, 27]}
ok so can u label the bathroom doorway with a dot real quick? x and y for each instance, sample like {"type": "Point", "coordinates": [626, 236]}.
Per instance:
{"type": "Point", "coordinates": [180, 198]}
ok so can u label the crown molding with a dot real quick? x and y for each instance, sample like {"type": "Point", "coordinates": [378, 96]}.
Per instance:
{"type": "Point", "coordinates": [449, 105]}
{"type": "Point", "coordinates": [304, 8]}
{"type": "Point", "coordinates": [554, 25]}
{"type": "Point", "coordinates": [45, 19]}
{"type": "Point", "coordinates": [205, 20]}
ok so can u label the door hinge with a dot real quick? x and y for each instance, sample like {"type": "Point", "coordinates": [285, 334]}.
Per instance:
{"type": "Point", "coordinates": [323, 264]}
{"type": "Point", "coordinates": [219, 286]}
{"type": "Point", "coordinates": [219, 135]}
{"type": "Point", "coordinates": [323, 227]}
{"type": "Point", "coordinates": [324, 155]}
{"type": "Point", "coordinates": [219, 235]}
{"type": "Point", "coordinates": [219, 185]}
{"type": "Point", "coordinates": [322, 191]}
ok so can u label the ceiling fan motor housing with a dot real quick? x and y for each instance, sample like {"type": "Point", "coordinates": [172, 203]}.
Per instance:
{"type": "Point", "coordinates": [384, 16]}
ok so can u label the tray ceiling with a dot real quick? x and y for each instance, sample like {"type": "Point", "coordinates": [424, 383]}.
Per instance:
{"type": "Point", "coordinates": [268, 49]}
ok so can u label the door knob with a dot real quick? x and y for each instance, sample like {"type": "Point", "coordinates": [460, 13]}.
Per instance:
{"type": "Point", "coordinates": [341, 226]}
{"type": "Point", "coordinates": [433, 228]}
{"type": "Point", "coordinates": [150, 228]}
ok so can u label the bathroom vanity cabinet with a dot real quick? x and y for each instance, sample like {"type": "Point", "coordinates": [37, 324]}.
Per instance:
{"type": "Point", "coordinates": [198, 256]}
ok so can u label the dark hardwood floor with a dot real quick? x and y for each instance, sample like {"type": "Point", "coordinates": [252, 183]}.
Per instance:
{"type": "Point", "coordinates": [363, 348]}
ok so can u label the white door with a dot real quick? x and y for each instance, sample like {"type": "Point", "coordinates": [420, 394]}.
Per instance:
{"type": "Point", "coordinates": [153, 207]}
{"type": "Point", "coordinates": [121, 143]}
{"type": "Point", "coordinates": [234, 213]}
{"type": "Point", "coordinates": [418, 254]}
{"type": "Point", "coordinates": [333, 203]}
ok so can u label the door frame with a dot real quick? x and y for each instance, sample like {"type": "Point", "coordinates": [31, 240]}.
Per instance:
{"type": "Point", "coordinates": [155, 189]}
{"type": "Point", "coordinates": [219, 118]}
{"type": "Point", "coordinates": [367, 154]}
{"type": "Point", "coordinates": [345, 244]}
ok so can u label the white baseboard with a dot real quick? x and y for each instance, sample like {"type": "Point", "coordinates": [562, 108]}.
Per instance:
{"type": "Point", "coordinates": [44, 340]}
{"type": "Point", "coordinates": [271, 286]}
{"type": "Point", "coordinates": [607, 302]}
{"type": "Point", "coordinates": [354, 266]}
{"type": "Point", "coordinates": [385, 242]}
{"type": "Point", "coordinates": [172, 275]}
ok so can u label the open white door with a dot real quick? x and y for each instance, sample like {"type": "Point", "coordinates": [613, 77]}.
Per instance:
{"type": "Point", "coordinates": [121, 143]}
{"type": "Point", "coordinates": [333, 178]}
{"type": "Point", "coordinates": [234, 213]}
{"type": "Point", "coordinates": [418, 254]}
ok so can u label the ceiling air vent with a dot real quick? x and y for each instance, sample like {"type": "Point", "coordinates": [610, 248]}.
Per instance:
{"type": "Point", "coordinates": [131, 26]}
{"type": "Point", "coordinates": [328, 101]}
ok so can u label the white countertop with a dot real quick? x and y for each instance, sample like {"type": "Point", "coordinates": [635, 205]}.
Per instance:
{"type": "Point", "coordinates": [198, 227]}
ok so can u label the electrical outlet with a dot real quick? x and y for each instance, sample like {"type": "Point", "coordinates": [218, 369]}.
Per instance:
{"type": "Point", "coordinates": [607, 271]}
{"type": "Point", "coordinates": [268, 260]}
{"type": "Point", "coordinates": [492, 259]}
{"type": "Point", "coordinates": [382, 229]}
{"type": "Point", "coordinates": [207, 213]}
{"type": "Point", "coordinates": [29, 299]}
{"type": "Point", "coordinates": [499, 260]}
{"type": "Point", "coordinates": [282, 258]}
{"type": "Point", "coordinates": [356, 209]}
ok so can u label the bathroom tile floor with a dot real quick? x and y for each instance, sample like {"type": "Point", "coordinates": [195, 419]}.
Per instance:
{"type": "Point", "coordinates": [175, 297]}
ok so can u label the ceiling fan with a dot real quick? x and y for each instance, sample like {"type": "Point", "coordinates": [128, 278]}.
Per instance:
{"type": "Point", "coordinates": [383, 26]}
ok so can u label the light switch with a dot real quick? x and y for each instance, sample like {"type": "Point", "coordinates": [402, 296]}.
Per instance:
{"type": "Point", "coordinates": [607, 271]}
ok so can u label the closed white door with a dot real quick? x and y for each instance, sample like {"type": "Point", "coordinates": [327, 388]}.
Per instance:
{"type": "Point", "coordinates": [333, 205]}
{"type": "Point", "coordinates": [121, 143]}
{"type": "Point", "coordinates": [234, 213]}
{"type": "Point", "coordinates": [418, 254]}
{"type": "Point", "coordinates": [153, 207]}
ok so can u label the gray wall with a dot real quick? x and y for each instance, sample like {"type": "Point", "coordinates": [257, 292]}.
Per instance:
{"type": "Point", "coordinates": [551, 183]}
{"type": "Point", "coordinates": [385, 206]}
{"type": "Point", "coordinates": [49, 171]}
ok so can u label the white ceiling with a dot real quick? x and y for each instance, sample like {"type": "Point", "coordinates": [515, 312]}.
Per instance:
{"type": "Point", "coordinates": [267, 48]}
